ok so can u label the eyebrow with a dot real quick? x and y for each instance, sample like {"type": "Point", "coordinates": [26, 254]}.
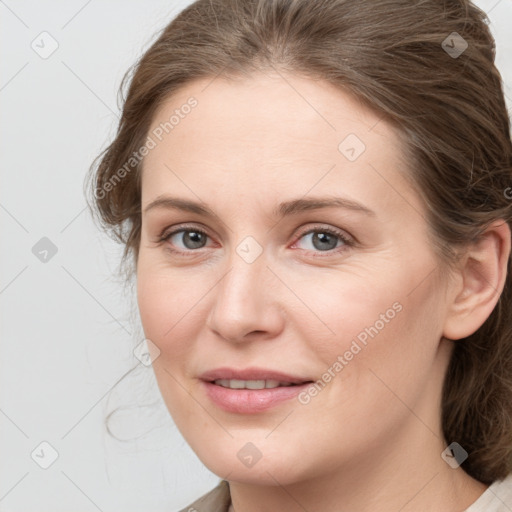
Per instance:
{"type": "Point", "coordinates": [291, 207]}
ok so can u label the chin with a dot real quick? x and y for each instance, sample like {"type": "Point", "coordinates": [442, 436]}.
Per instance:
{"type": "Point", "coordinates": [268, 470]}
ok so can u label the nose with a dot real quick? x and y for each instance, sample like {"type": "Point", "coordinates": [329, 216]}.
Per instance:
{"type": "Point", "coordinates": [246, 303]}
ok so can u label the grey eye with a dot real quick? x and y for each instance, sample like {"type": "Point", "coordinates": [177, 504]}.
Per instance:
{"type": "Point", "coordinates": [191, 239]}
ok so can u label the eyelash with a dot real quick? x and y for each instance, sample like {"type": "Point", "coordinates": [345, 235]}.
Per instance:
{"type": "Point", "coordinates": [347, 242]}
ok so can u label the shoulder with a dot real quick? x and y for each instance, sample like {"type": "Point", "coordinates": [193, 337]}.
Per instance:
{"type": "Point", "coordinates": [217, 500]}
{"type": "Point", "coordinates": [497, 497]}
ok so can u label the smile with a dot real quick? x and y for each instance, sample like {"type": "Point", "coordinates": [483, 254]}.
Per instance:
{"type": "Point", "coordinates": [251, 384]}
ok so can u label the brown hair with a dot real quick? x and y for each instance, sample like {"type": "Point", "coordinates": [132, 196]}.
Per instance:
{"type": "Point", "coordinates": [402, 59]}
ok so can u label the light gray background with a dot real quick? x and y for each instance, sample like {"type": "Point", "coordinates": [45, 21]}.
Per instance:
{"type": "Point", "coordinates": [67, 329]}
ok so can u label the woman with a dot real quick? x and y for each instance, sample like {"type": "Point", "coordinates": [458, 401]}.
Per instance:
{"type": "Point", "coordinates": [316, 200]}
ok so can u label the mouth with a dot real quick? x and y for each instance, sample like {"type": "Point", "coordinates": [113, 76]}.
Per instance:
{"type": "Point", "coordinates": [251, 390]}
{"type": "Point", "coordinates": [252, 375]}
{"type": "Point", "coordinates": [251, 384]}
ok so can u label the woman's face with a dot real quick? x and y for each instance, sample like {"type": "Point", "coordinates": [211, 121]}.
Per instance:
{"type": "Point", "coordinates": [258, 283]}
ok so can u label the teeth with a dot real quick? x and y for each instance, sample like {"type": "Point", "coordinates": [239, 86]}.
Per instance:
{"type": "Point", "coordinates": [250, 384]}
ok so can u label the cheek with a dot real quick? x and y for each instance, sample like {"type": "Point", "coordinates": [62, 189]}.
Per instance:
{"type": "Point", "coordinates": [168, 305]}
{"type": "Point", "coordinates": [164, 297]}
{"type": "Point", "coordinates": [383, 323]}
{"type": "Point", "coordinates": [168, 308]}
{"type": "Point", "coordinates": [387, 354]}
{"type": "Point", "coordinates": [345, 307]}
{"type": "Point", "coordinates": [155, 305]}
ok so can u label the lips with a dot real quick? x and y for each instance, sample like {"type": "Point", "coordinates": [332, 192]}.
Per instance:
{"type": "Point", "coordinates": [251, 390]}
{"type": "Point", "coordinates": [252, 374]}
{"type": "Point", "coordinates": [251, 384]}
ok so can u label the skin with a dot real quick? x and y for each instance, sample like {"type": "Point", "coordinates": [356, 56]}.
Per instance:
{"type": "Point", "coordinates": [371, 440]}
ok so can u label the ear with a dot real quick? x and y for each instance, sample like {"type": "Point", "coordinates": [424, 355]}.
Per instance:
{"type": "Point", "coordinates": [480, 281]}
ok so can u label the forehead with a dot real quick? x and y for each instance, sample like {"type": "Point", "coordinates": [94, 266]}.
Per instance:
{"type": "Point", "coordinates": [269, 131]}
{"type": "Point", "coordinates": [305, 113]}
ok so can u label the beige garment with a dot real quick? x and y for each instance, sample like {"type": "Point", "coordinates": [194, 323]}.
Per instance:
{"type": "Point", "coordinates": [217, 500]}
{"type": "Point", "coordinates": [497, 498]}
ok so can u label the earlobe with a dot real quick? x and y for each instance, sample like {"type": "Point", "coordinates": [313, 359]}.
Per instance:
{"type": "Point", "coordinates": [483, 271]}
